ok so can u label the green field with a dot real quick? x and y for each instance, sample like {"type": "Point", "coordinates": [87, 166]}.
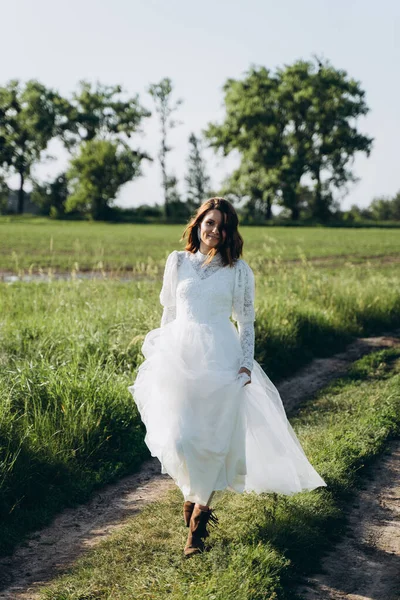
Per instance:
{"type": "Point", "coordinates": [264, 543]}
{"type": "Point", "coordinates": [69, 349]}
{"type": "Point", "coordinates": [42, 244]}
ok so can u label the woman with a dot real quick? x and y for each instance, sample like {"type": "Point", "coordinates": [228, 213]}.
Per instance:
{"type": "Point", "coordinates": [213, 417]}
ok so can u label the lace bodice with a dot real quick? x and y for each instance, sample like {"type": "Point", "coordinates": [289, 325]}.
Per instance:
{"type": "Point", "coordinates": [194, 291]}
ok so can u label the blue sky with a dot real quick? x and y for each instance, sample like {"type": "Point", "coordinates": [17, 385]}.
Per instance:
{"type": "Point", "coordinates": [199, 45]}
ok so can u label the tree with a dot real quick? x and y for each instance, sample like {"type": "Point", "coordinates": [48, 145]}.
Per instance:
{"type": "Point", "coordinates": [250, 183]}
{"type": "Point", "coordinates": [197, 179]}
{"type": "Point", "coordinates": [396, 207]}
{"type": "Point", "coordinates": [30, 117]}
{"type": "Point", "coordinates": [51, 197]}
{"type": "Point", "coordinates": [98, 112]}
{"type": "Point", "coordinates": [99, 124]}
{"type": "Point", "coordinates": [385, 208]}
{"type": "Point", "coordinates": [253, 126]}
{"type": "Point", "coordinates": [177, 208]}
{"type": "Point", "coordinates": [161, 93]}
{"type": "Point", "coordinates": [355, 214]}
{"type": "Point", "coordinates": [322, 105]}
{"type": "Point", "coordinates": [97, 173]}
{"type": "Point", "coordinates": [4, 192]}
{"type": "Point", "coordinates": [299, 122]}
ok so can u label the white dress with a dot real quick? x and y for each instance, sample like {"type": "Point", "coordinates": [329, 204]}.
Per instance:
{"type": "Point", "coordinates": [208, 430]}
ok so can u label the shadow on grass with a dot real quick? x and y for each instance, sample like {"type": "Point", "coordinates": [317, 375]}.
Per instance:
{"type": "Point", "coordinates": [313, 338]}
{"type": "Point", "coordinates": [40, 484]}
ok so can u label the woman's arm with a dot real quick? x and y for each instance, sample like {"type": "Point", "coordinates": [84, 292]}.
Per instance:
{"type": "Point", "coordinates": [168, 290]}
{"type": "Point", "coordinates": [168, 315]}
{"type": "Point", "coordinates": [243, 313]}
{"type": "Point", "coordinates": [246, 337]}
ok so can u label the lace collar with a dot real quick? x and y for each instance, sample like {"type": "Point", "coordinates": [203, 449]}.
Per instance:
{"type": "Point", "coordinates": [200, 257]}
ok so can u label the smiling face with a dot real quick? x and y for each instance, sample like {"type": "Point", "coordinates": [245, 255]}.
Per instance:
{"type": "Point", "coordinates": [210, 233]}
{"type": "Point", "coordinates": [213, 229]}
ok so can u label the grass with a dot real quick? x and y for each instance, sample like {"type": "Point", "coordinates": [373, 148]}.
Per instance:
{"type": "Point", "coordinates": [40, 244]}
{"type": "Point", "coordinates": [265, 543]}
{"type": "Point", "coordinates": [68, 351]}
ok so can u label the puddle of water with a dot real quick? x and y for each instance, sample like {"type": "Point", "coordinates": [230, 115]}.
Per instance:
{"type": "Point", "coordinates": [46, 278]}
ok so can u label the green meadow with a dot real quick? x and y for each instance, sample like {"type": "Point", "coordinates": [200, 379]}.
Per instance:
{"type": "Point", "coordinates": [69, 349]}
{"type": "Point", "coordinates": [265, 543]}
{"type": "Point", "coordinates": [35, 244]}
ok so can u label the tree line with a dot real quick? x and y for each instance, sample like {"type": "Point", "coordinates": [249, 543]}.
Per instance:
{"type": "Point", "coordinates": [295, 131]}
{"type": "Point", "coordinates": [96, 125]}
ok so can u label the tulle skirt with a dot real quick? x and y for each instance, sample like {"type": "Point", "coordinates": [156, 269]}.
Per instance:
{"type": "Point", "coordinates": [208, 431]}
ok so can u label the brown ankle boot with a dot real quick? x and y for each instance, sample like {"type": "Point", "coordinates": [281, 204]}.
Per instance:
{"type": "Point", "coordinates": [187, 511]}
{"type": "Point", "coordinates": [198, 530]}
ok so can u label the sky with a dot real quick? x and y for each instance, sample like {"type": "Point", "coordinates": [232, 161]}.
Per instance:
{"type": "Point", "coordinates": [199, 45]}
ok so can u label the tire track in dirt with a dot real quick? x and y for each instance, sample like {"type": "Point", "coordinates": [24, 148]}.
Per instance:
{"type": "Point", "coordinates": [48, 552]}
{"type": "Point", "coordinates": [365, 564]}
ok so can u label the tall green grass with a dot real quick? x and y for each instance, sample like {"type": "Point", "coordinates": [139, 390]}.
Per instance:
{"type": "Point", "coordinates": [68, 351]}
{"type": "Point", "coordinates": [265, 543]}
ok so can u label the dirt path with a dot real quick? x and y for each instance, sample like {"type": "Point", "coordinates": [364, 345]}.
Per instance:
{"type": "Point", "coordinates": [75, 530]}
{"type": "Point", "coordinates": [365, 565]}
{"type": "Point", "coordinates": [47, 552]}
{"type": "Point", "coordinates": [322, 370]}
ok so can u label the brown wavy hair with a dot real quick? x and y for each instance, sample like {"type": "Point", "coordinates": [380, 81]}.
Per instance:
{"type": "Point", "coordinates": [231, 248]}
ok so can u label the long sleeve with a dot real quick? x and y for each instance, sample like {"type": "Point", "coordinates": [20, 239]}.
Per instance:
{"type": "Point", "coordinates": [168, 290]}
{"type": "Point", "coordinates": [246, 337]}
{"type": "Point", "coordinates": [168, 315]}
{"type": "Point", "coordinates": [243, 311]}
